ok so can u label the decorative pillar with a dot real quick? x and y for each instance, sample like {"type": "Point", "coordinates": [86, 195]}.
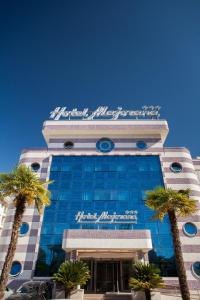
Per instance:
{"type": "Point", "coordinates": [73, 255]}
{"type": "Point", "coordinates": [140, 256]}
{"type": "Point", "coordinates": [95, 276]}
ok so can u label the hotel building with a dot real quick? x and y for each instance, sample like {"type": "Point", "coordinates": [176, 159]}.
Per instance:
{"type": "Point", "coordinates": [101, 170]}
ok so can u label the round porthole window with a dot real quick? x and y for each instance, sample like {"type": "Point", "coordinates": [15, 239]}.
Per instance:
{"type": "Point", "coordinates": [141, 145]}
{"type": "Point", "coordinates": [190, 229]}
{"type": "Point", "coordinates": [196, 268]}
{"type": "Point", "coordinates": [16, 268]}
{"type": "Point", "coordinates": [105, 145]}
{"type": "Point", "coordinates": [68, 145]}
{"type": "Point", "coordinates": [35, 166]}
{"type": "Point", "coordinates": [176, 167]}
{"type": "Point", "coordinates": [24, 229]}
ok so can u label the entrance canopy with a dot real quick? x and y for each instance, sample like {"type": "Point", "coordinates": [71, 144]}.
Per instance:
{"type": "Point", "coordinates": [107, 240]}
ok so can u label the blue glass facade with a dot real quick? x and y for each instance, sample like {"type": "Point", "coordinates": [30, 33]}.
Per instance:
{"type": "Point", "coordinates": [102, 183]}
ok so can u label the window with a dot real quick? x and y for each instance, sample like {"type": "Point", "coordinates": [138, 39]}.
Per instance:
{"type": "Point", "coordinates": [16, 268]}
{"type": "Point", "coordinates": [35, 166]}
{"type": "Point", "coordinates": [144, 194]}
{"type": "Point", "coordinates": [101, 195]}
{"type": "Point", "coordinates": [68, 145]}
{"type": "Point", "coordinates": [141, 145]}
{"type": "Point", "coordinates": [196, 268]}
{"type": "Point", "coordinates": [105, 145]}
{"type": "Point", "coordinates": [190, 229]}
{"type": "Point", "coordinates": [176, 167]}
{"type": "Point", "coordinates": [24, 229]}
{"type": "Point", "coordinates": [123, 195]}
{"type": "Point", "coordinates": [87, 196]}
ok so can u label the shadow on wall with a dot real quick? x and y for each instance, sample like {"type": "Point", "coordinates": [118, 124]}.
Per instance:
{"type": "Point", "coordinates": [167, 266]}
{"type": "Point", "coordinates": [43, 268]}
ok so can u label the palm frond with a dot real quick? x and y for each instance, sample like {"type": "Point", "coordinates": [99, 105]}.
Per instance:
{"type": "Point", "coordinates": [23, 182]}
{"type": "Point", "coordinates": [145, 277]}
{"type": "Point", "coordinates": [72, 273]}
{"type": "Point", "coordinates": [163, 200]}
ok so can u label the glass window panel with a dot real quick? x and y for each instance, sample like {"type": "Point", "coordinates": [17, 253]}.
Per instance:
{"type": "Point", "coordinates": [87, 196]}
{"type": "Point", "coordinates": [64, 195]}
{"type": "Point", "coordinates": [196, 268]}
{"type": "Point", "coordinates": [60, 227]}
{"type": "Point", "coordinates": [88, 168]}
{"type": "Point", "coordinates": [65, 176]}
{"type": "Point", "coordinates": [48, 217]}
{"type": "Point", "coordinates": [102, 195]}
{"type": "Point", "coordinates": [77, 174]}
{"type": "Point", "coordinates": [144, 195]}
{"type": "Point", "coordinates": [123, 196]}
{"type": "Point", "coordinates": [66, 166]}
{"type": "Point", "coordinates": [48, 228]}
{"type": "Point", "coordinates": [61, 217]}
{"type": "Point", "coordinates": [15, 268]}
{"type": "Point", "coordinates": [24, 228]}
{"type": "Point", "coordinates": [190, 229]}
{"type": "Point", "coordinates": [55, 175]}
{"type": "Point", "coordinates": [88, 175]}
{"type": "Point", "coordinates": [54, 194]}
{"type": "Point", "coordinates": [112, 205]}
{"type": "Point", "coordinates": [99, 206]}
{"type": "Point", "coordinates": [101, 167]}
{"type": "Point", "coordinates": [88, 226]}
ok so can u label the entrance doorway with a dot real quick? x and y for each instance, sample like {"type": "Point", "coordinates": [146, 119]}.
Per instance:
{"type": "Point", "coordinates": [108, 275]}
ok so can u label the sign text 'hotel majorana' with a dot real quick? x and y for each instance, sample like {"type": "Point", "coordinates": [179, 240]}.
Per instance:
{"type": "Point", "coordinates": [103, 113]}
{"type": "Point", "coordinates": [129, 217]}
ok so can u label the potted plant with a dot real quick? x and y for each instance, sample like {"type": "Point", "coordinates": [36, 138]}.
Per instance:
{"type": "Point", "coordinates": [145, 278]}
{"type": "Point", "coordinates": [71, 274]}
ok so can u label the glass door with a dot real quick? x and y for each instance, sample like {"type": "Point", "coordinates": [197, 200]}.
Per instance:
{"type": "Point", "coordinates": [107, 273]}
{"type": "Point", "coordinates": [108, 276]}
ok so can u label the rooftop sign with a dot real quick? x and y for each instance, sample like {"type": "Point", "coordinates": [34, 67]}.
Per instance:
{"type": "Point", "coordinates": [103, 113]}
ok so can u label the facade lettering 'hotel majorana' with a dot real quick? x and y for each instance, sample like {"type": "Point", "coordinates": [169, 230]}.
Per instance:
{"type": "Point", "coordinates": [101, 170]}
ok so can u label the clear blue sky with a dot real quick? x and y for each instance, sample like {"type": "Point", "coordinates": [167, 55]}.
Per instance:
{"type": "Point", "coordinates": [87, 53]}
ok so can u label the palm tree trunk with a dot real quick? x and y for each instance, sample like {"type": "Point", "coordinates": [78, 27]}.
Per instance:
{"type": "Point", "coordinates": [147, 294]}
{"type": "Point", "coordinates": [20, 208]}
{"type": "Point", "coordinates": [67, 293]}
{"type": "Point", "coordinates": [179, 257]}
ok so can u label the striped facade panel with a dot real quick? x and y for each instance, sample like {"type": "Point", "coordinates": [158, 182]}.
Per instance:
{"type": "Point", "coordinates": [187, 179]}
{"type": "Point", "coordinates": [3, 211]}
{"type": "Point", "coordinates": [121, 144]}
{"type": "Point", "coordinates": [196, 163]}
{"type": "Point", "coordinates": [27, 246]}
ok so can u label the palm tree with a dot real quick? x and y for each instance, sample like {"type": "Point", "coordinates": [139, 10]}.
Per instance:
{"type": "Point", "coordinates": [145, 277]}
{"type": "Point", "coordinates": [71, 274]}
{"type": "Point", "coordinates": [25, 189]}
{"type": "Point", "coordinates": [175, 204]}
